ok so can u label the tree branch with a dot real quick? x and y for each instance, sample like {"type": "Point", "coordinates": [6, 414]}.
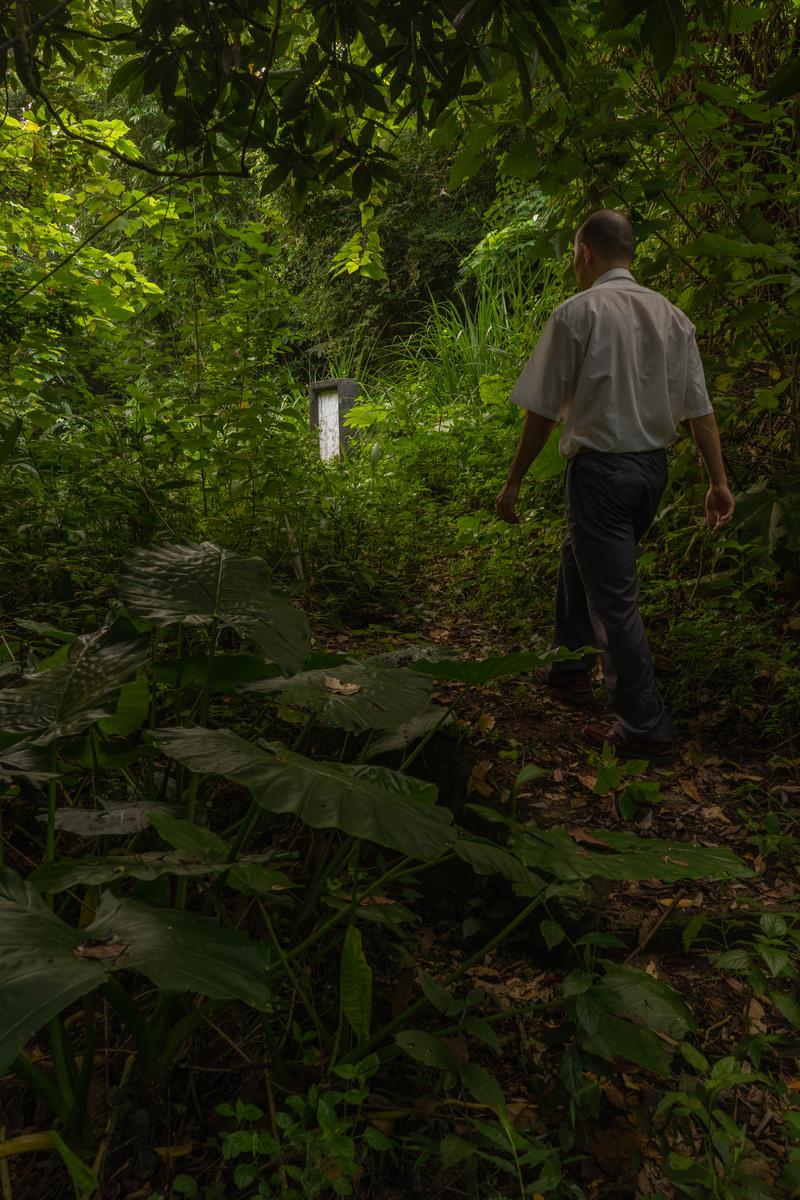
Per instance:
{"type": "Point", "coordinates": [86, 241]}
{"type": "Point", "coordinates": [20, 37]}
{"type": "Point", "coordinates": [136, 163]}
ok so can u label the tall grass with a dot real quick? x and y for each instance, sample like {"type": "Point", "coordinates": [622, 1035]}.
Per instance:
{"type": "Point", "coordinates": [465, 341]}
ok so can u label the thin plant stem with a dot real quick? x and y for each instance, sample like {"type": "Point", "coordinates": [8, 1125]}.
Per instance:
{"type": "Point", "coordinates": [136, 1024]}
{"type": "Point", "coordinates": [397, 1022]}
{"type": "Point", "coordinates": [191, 803]}
{"type": "Point", "coordinates": [327, 868]}
{"type": "Point", "coordinates": [324, 1036]}
{"type": "Point", "coordinates": [245, 829]}
{"type": "Point", "coordinates": [41, 1086]}
{"type": "Point", "coordinates": [409, 759]}
{"type": "Point", "coordinates": [63, 1064]}
{"type": "Point", "coordinates": [79, 1113]}
{"type": "Point", "coordinates": [52, 795]}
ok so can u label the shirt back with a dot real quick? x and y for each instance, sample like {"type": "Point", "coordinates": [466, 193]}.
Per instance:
{"type": "Point", "coordinates": [619, 364]}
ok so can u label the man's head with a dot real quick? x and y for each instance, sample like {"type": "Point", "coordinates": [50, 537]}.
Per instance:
{"type": "Point", "coordinates": [604, 240]}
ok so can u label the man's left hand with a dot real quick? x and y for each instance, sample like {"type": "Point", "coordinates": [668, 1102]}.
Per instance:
{"type": "Point", "coordinates": [506, 503]}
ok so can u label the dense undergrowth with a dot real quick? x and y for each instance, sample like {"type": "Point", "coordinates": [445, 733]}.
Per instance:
{"type": "Point", "coordinates": [305, 890]}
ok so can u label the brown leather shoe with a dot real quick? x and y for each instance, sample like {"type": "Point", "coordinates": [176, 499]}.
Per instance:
{"type": "Point", "coordinates": [573, 689]}
{"type": "Point", "coordinates": [595, 733]}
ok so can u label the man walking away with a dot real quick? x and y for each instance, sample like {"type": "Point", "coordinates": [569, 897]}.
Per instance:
{"type": "Point", "coordinates": [619, 364]}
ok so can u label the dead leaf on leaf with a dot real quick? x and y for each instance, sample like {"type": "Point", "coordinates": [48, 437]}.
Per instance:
{"type": "Point", "coordinates": [581, 835]}
{"type": "Point", "coordinates": [101, 950]}
{"type": "Point", "coordinates": [340, 687]}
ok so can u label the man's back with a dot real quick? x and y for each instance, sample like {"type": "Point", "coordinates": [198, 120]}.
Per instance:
{"type": "Point", "coordinates": [619, 364]}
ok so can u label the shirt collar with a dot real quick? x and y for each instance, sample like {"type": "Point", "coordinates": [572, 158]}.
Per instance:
{"type": "Point", "coordinates": [614, 273]}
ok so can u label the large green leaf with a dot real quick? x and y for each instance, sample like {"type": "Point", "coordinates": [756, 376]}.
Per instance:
{"type": "Point", "coordinates": [785, 81]}
{"type": "Point", "coordinates": [355, 696]}
{"type": "Point", "coordinates": [355, 984]}
{"type": "Point", "coordinates": [188, 836]}
{"type": "Point", "coordinates": [133, 707]}
{"type": "Point", "coordinates": [548, 462]}
{"type": "Point", "coordinates": [716, 245]}
{"type": "Point", "coordinates": [116, 820]}
{"type": "Point", "coordinates": [226, 671]}
{"type": "Point", "coordinates": [197, 583]}
{"type": "Point", "coordinates": [637, 994]}
{"type": "Point", "coordinates": [33, 762]}
{"type": "Point", "coordinates": [67, 698]}
{"type": "Point", "coordinates": [609, 855]}
{"type": "Point", "coordinates": [40, 972]}
{"type": "Point", "coordinates": [425, 1048]}
{"type": "Point", "coordinates": [94, 871]}
{"type": "Point", "coordinates": [367, 802]}
{"type": "Point", "coordinates": [181, 952]}
{"type": "Point", "coordinates": [609, 1037]}
{"type": "Point", "coordinates": [484, 670]}
{"type": "Point", "coordinates": [46, 965]}
{"type": "Point", "coordinates": [486, 858]}
{"type": "Point", "coordinates": [411, 731]}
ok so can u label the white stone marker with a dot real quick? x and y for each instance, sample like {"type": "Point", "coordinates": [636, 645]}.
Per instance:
{"type": "Point", "coordinates": [330, 401]}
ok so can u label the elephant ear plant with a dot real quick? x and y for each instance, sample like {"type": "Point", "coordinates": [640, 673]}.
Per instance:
{"type": "Point", "coordinates": [252, 894]}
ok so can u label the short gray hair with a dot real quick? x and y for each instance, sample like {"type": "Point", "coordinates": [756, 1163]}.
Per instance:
{"type": "Point", "coordinates": [610, 233]}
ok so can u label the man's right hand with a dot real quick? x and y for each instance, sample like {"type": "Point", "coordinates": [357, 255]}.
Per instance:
{"type": "Point", "coordinates": [506, 503]}
{"type": "Point", "coordinates": [719, 505]}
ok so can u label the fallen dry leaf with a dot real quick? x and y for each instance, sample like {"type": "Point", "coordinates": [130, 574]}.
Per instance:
{"type": "Point", "coordinates": [588, 781]}
{"type": "Point", "coordinates": [691, 791]}
{"type": "Point", "coordinates": [755, 1013]}
{"type": "Point", "coordinates": [478, 778]}
{"type": "Point", "coordinates": [340, 687]}
{"type": "Point", "coordinates": [713, 812]}
{"type": "Point", "coordinates": [168, 1153]}
{"type": "Point", "coordinates": [684, 902]}
{"type": "Point", "coordinates": [458, 1048]}
{"type": "Point", "coordinates": [486, 723]}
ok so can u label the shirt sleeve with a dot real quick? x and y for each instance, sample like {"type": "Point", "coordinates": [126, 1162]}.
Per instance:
{"type": "Point", "coordinates": [695, 402]}
{"type": "Point", "coordinates": [550, 375]}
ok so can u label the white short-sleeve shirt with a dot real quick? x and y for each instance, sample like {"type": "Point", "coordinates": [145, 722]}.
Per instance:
{"type": "Point", "coordinates": [619, 364]}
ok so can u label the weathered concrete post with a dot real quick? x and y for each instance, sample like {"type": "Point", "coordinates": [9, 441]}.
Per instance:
{"type": "Point", "coordinates": [330, 401]}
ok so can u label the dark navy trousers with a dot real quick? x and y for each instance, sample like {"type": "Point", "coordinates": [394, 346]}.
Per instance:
{"type": "Point", "coordinates": [611, 500]}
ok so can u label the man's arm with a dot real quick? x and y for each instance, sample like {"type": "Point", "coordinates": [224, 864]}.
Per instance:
{"type": "Point", "coordinates": [719, 501]}
{"type": "Point", "coordinates": [535, 433]}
